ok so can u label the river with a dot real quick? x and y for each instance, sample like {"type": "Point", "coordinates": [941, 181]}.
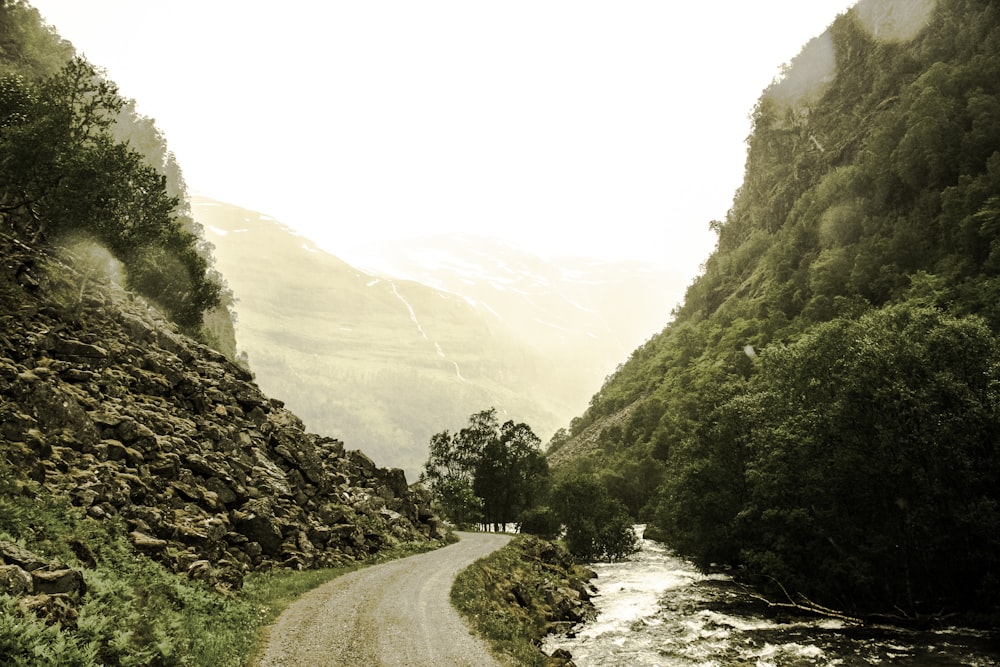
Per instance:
{"type": "Point", "coordinates": [657, 609]}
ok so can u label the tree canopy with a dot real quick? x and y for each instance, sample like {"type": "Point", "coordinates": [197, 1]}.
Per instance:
{"type": "Point", "coordinates": [78, 163]}
{"type": "Point", "coordinates": [63, 174]}
{"type": "Point", "coordinates": [488, 472]}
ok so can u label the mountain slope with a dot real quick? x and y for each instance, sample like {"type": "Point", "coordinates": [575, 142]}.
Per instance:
{"type": "Point", "coordinates": [582, 314]}
{"type": "Point", "coordinates": [385, 362]}
{"type": "Point", "coordinates": [808, 415]}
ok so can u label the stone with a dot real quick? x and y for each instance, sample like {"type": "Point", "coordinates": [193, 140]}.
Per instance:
{"type": "Point", "coordinates": [15, 582]}
{"type": "Point", "coordinates": [15, 554]}
{"type": "Point", "coordinates": [145, 542]}
{"type": "Point", "coordinates": [57, 582]}
{"type": "Point", "coordinates": [76, 350]}
{"type": "Point", "coordinates": [200, 570]}
{"type": "Point", "coordinates": [50, 608]}
{"type": "Point", "coordinates": [116, 451]}
{"type": "Point", "coordinates": [258, 523]}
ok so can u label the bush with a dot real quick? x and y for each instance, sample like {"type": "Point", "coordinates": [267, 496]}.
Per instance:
{"type": "Point", "coordinates": [597, 526]}
{"type": "Point", "coordinates": [541, 521]}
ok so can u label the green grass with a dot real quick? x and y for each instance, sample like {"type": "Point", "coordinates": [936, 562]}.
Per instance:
{"type": "Point", "coordinates": [478, 594]}
{"type": "Point", "coordinates": [134, 610]}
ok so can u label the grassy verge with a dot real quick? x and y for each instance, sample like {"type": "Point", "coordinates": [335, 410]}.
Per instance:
{"type": "Point", "coordinates": [516, 595]}
{"type": "Point", "coordinates": [132, 611]}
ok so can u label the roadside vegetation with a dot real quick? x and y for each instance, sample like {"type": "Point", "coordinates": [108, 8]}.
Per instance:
{"type": "Point", "coordinates": [492, 475]}
{"type": "Point", "coordinates": [518, 594]}
{"type": "Point", "coordinates": [131, 610]}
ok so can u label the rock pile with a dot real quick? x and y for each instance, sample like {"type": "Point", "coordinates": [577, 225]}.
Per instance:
{"type": "Point", "coordinates": [107, 403]}
{"type": "Point", "coordinates": [550, 585]}
{"type": "Point", "coordinates": [43, 587]}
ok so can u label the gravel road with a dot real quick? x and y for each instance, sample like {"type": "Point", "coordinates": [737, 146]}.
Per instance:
{"type": "Point", "coordinates": [394, 614]}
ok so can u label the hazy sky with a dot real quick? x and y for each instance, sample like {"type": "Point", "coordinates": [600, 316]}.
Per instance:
{"type": "Point", "coordinates": [607, 128]}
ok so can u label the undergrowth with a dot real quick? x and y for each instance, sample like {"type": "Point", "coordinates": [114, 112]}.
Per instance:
{"type": "Point", "coordinates": [133, 610]}
{"type": "Point", "coordinates": [509, 629]}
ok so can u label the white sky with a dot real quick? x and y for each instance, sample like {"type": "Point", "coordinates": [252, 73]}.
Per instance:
{"type": "Point", "coordinates": [612, 128]}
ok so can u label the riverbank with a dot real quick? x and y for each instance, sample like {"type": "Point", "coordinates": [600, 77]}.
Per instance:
{"type": "Point", "coordinates": [658, 609]}
{"type": "Point", "coordinates": [519, 594]}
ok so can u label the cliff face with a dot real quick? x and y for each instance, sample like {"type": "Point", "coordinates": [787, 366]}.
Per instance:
{"type": "Point", "coordinates": [105, 402]}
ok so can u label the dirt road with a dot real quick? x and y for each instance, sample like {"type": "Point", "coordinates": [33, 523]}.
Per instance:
{"type": "Point", "coordinates": [389, 615]}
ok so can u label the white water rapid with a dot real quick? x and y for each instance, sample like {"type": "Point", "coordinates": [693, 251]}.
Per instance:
{"type": "Point", "coordinates": [657, 609]}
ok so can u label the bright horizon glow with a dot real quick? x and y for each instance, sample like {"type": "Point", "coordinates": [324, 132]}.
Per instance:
{"type": "Point", "coordinates": [604, 129]}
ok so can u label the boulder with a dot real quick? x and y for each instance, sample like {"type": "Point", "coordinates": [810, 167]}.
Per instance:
{"type": "Point", "coordinates": [256, 520]}
{"type": "Point", "coordinates": [75, 350]}
{"type": "Point", "coordinates": [15, 554]}
{"type": "Point", "coordinates": [50, 608]}
{"type": "Point", "coordinates": [145, 542]}
{"type": "Point", "coordinates": [58, 582]}
{"type": "Point", "coordinates": [15, 582]}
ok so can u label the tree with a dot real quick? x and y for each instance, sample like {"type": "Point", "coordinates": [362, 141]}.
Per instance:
{"type": "Point", "coordinates": [63, 174]}
{"type": "Point", "coordinates": [597, 527]}
{"type": "Point", "coordinates": [499, 465]}
{"type": "Point", "coordinates": [872, 465]}
{"type": "Point", "coordinates": [450, 478]}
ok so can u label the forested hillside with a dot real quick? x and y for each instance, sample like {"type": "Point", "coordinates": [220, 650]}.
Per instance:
{"type": "Point", "coordinates": [823, 411]}
{"type": "Point", "coordinates": [78, 164]}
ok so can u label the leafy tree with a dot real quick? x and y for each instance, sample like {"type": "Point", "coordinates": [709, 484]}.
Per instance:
{"type": "Point", "coordinates": [450, 477]}
{"type": "Point", "coordinates": [540, 521]}
{"type": "Point", "coordinates": [28, 46]}
{"type": "Point", "coordinates": [871, 471]}
{"type": "Point", "coordinates": [63, 173]}
{"type": "Point", "coordinates": [500, 465]}
{"type": "Point", "coordinates": [597, 527]}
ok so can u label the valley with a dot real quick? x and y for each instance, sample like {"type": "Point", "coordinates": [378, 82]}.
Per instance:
{"type": "Point", "coordinates": [435, 329]}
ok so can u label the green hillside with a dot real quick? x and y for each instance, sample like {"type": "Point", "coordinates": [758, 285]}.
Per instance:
{"type": "Point", "coordinates": [78, 164]}
{"type": "Point", "coordinates": [822, 411]}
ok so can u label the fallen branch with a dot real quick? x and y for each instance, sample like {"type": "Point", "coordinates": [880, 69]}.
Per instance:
{"type": "Point", "coordinates": [802, 605]}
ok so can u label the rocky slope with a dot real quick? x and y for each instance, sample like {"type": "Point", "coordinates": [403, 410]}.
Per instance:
{"type": "Point", "coordinates": [105, 402]}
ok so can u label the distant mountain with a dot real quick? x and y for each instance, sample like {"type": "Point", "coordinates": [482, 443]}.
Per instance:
{"type": "Point", "coordinates": [383, 362]}
{"type": "Point", "coordinates": [582, 313]}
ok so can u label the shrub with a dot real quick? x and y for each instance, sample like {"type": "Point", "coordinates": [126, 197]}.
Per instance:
{"type": "Point", "coordinates": [541, 521]}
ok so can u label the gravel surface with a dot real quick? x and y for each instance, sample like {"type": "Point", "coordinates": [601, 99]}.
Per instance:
{"type": "Point", "coordinates": [394, 614]}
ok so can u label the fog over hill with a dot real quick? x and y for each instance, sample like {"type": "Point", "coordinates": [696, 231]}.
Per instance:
{"type": "Point", "coordinates": [439, 328]}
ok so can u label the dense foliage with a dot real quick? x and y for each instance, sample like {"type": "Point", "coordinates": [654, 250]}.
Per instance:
{"type": "Point", "coordinates": [822, 410]}
{"type": "Point", "coordinates": [487, 473]}
{"type": "Point", "coordinates": [494, 474]}
{"type": "Point", "coordinates": [520, 593]}
{"type": "Point", "coordinates": [598, 528]}
{"type": "Point", "coordinates": [76, 161]}
{"type": "Point", "coordinates": [62, 174]}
